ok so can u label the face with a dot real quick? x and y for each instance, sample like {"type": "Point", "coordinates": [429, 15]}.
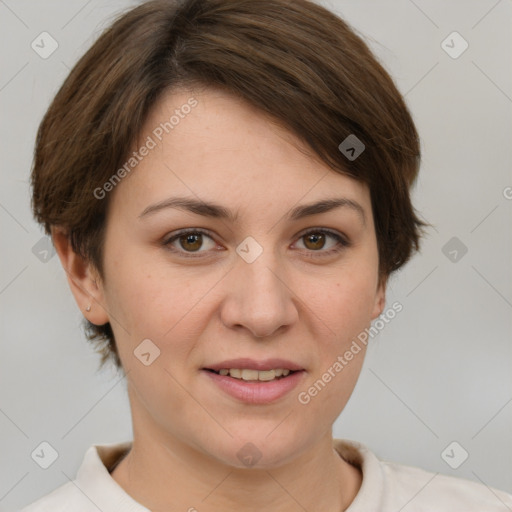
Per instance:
{"type": "Point", "coordinates": [257, 283]}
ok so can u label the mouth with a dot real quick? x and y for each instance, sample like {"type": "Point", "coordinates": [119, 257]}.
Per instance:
{"type": "Point", "coordinates": [255, 382]}
{"type": "Point", "coordinates": [251, 375]}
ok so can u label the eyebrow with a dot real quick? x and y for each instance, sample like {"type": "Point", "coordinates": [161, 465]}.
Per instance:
{"type": "Point", "coordinates": [210, 209]}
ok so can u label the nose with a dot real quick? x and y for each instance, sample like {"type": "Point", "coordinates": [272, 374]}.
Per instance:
{"type": "Point", "coordinates": [259, 298]}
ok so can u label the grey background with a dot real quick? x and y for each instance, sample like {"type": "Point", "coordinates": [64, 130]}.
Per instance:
{"type": "Point", "coordinates": [439, 372]}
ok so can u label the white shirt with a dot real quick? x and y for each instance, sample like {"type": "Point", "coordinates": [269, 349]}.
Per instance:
{"type": "Point", "coordinates": [386, 487]}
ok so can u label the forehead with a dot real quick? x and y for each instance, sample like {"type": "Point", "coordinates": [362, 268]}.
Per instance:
{"type": "Point", "coordinates": [208, 144]}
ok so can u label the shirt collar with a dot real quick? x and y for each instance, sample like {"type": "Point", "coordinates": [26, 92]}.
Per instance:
{"type": "Point", "coordinates": [94, 480]}
{"type": "Point", "coordinates": [369, 496]}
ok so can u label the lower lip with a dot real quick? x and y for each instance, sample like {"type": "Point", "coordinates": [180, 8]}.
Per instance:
{"type": "Point", "coordinates": [256, 392]}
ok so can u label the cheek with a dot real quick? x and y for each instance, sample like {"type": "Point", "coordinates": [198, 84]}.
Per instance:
{"type": "Point", "coordinates": [156, 302]}
{"type": "Point", "coordinates": [345, 301]}
{"type": "Point", "coordinates": [344, 311]}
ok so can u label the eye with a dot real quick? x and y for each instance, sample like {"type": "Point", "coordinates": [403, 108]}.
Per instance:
{"type": "Point", "coordinates": [189, 241]}
{"type": "Point", "coordinates": [315, 240]}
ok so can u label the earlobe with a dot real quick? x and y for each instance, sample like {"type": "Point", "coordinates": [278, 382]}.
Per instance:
{"type": "Point", "coordinates": [380, 299]}
{"type": "Point", "coordinates": [83, 279]}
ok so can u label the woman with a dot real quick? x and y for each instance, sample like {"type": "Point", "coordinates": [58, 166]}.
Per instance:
{"type": "Point", "coordinates": [226, 183]}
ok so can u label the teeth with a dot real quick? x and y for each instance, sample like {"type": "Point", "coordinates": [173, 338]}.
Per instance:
{"type": "Point", "coordinates": [267, 375]}
{"type": "Point", "coordinates": [249, 374]}
{"type": "Point", "coordinates": [254, 375]}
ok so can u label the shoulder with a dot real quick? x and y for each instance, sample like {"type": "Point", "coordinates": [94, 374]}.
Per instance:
{"type": "Point", "coordinates": [425, 490]}
{"type": "Point", "coordinates": [93, 488]}
{"type": "Point", "coordinates": [388, 486]}
{"type": "Point", "coordinates": [63, 499]}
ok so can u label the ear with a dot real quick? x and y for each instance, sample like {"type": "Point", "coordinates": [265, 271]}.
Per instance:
{"type": "Point", "coordinates": [83, 279]}
{"type": "Point", "coordinates": [380, 298]}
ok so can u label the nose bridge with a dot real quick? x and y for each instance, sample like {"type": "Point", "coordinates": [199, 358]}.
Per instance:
{"type": "Point", "coordinates": [258, 298]}
{"type": "Point", "coordinates": [259, 269]}
{"type": "Point", "coordinates": [261, 274]}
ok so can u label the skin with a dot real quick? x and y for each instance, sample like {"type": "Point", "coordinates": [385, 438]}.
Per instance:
{"type": "Point", "coordinates": [291, 303]}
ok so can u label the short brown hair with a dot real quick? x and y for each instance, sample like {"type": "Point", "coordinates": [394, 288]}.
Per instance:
{"type": "Point", "coordinates": [294, 60]}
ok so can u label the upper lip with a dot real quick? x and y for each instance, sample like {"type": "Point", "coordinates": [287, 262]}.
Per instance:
{"type": "Point", "coordinates": [246, 363]}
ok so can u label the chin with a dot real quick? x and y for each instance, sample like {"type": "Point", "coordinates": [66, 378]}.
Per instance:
{"type": "Point", "coordinates": [258, 450]}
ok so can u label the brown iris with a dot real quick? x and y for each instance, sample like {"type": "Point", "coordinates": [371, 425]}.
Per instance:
{"type": "Point", "coordinates": [318, 240]}
{"type": "Point", "coordinates": [194, 241]}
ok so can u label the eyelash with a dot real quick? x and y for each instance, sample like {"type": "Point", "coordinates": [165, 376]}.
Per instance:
{"type": "Point", "coordinates": [343, 243]}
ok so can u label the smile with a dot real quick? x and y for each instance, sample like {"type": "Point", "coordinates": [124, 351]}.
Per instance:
{"type": "Point", "coordinates": [253, 375]}
{"type": "Point", "coordinates": [254, 387]}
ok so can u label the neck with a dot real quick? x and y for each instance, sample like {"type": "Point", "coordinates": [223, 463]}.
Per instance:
{"type": "Point", "coordinates": [177, 477]}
